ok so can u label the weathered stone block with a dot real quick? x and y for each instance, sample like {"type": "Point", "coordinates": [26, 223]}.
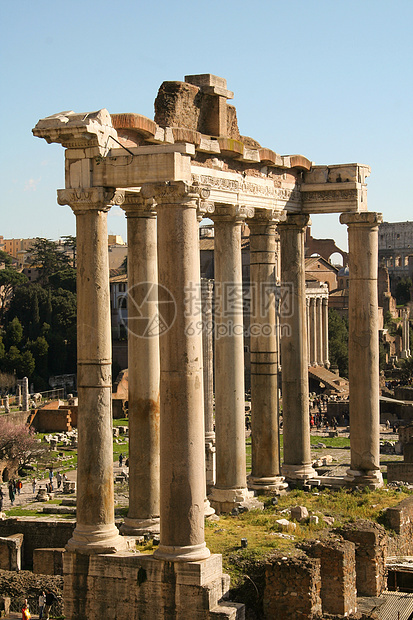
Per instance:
{"type": "Point", "coordinates": [48, 561]}
{"type": "Point", "coordinates": [11, 552]}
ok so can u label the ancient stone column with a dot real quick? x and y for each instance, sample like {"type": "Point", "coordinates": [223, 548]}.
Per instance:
{"type": "Point", "coordinates": [319, 323]}
{"type": "Point", "coordinates": [19, 396]}
{"type": "Point", "coordinates": [294, 359]}
{"type": "Point", "coordinates": [25, 394]}
{"type": "Point", "coordinates": [95, 530]}
{"type": "Point", "coordinates": [265, 470]}
{"type": "Point", "coordinates": [7, 404]}
{"type": "Point", "coordinates": [307, 313]}
{"type": "Point", "coordinates": [313, 331]}
{"type": "Point", "coordinates": [363, 348]}
{"type": "Point", "coordinates": [207, 292]}
{"type": "Point", "coordinates": [182, 477]}
{"type": "Point", "coordinates": [143, 366]}
{"type": "Point", "coordinates": [230, 489]}
{"type": "Point", "coordinates": [326, 361]}
{"type": "Point", "coordinates": [405, 335]}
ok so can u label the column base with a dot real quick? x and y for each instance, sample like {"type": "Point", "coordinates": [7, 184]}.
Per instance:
{"type": "Point", "coordinates": [189, 553]}
{"type": "Point", "coordinates": [298, 472]}
{"type": "Point", "coordinates": [271, 484]}
{"type": "Point", "coordinates": [208, 510]}
{"type": "Point", "coordinates": [90, 539]}
{"type": "Point", "coordinates": [225, 500]}
{"type": "Point", "coordinates": [138, 527]}
{"type": "Point", "coordinates": [372, 479]}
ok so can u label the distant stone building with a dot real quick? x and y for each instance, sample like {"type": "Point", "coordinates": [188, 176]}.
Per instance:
{"type": "Point", "coordinates": [395, 248]}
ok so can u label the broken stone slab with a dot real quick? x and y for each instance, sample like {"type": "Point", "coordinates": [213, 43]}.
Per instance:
{"type": "Point", "coordinates": [299, 513]}
{"type": "Point", "coordinates": [286, 525]}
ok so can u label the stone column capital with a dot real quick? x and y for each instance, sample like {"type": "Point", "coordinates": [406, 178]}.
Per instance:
{"type": "Point", "coordinates": [86, 199]}
{"type": "Point", "coordinates": [264, 217]}
{"type": "Point", "coordinates": [137, 205]}
{"type": "Point", "coordinates": [230, 212]}
{"type": "Point", "coordinates": [298, 221]}
{"type": "Point", "coordinates": [176, 192]}
{"type": "Point", "coordinates": [367, 218]}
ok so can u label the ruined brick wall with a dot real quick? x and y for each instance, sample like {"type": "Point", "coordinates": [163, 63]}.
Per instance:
{"type": "Point", "coordinates": [370, 540]}
{"type": "Point", "coordinates": [37, 534]}
{"type": "Point", "coordinates": [338, 575]}
{"type": "Point", "coordinates": [292, 588]}
{"type": "Point", "coordinates": [400, 520]}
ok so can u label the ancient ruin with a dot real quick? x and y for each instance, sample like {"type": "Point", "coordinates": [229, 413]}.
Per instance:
{"type": "Point", "coordinates": [191, 162]}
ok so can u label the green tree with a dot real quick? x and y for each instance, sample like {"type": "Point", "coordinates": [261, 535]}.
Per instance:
{"type": "Point", "coordinates": [403, 290]}
{"type": "Point", "coordinates": [338, 341]}
{"type": "Point", "coordinates": [48, 258]}
{"type": "Point", "coordinates": [9, 280]}
{"type": "Point", "coordinates": [14, 333]}
{"type": "Point", "coordinates": [65, 279]}
{"type": "Point", "coordinates": [70, 243]}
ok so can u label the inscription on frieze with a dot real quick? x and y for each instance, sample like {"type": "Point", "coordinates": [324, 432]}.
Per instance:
{"type": "Point", "coordinates": [247, 187]}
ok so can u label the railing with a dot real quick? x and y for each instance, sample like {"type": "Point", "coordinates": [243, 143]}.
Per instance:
{"type": "Point", "coordinates": [38, 398]}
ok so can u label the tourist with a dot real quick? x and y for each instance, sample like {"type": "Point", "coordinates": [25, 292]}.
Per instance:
{"type": "Point", "coordinates": [34, 482]}
{"type": "Point", "coordinates": [49, 600]}
{"type": "Point", "coordinates": [19, 486]}
{"type": "Point", "coordinates": [51, 476]}
{"type": "Point", "coordinates": [42, 601]}
{"type": "Point", "coordinates": [26, 615]}
{"type": "Point", "coordinates": [58, 479]}
{"type": "Point", "coordinates": [12, 492]}
{"type": "Point", "coordinates": [1, 499]}
{"type": "Point", "coordinates": [120, 459]}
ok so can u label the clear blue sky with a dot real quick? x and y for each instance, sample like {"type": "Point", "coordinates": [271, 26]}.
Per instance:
{"type": "Point", "coordinates": [331, 80]}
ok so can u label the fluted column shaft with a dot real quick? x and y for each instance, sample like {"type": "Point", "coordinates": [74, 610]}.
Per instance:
{"type": "Point", "coordinates": [325, 333]}
{"type": "Point", "coordinates": [319, 323]}
{"type": "Point", "coordinates": [143, 367]}
{"type": "Point", "coordinates": [95, 530]}
{"type": "Point", "coordinates": [313, 331]}
{"type": "Point", "coordinates": [363, 348]}
{"type": "Point", "coordinates": [294, 359]}
{"type": "Point", "coordinates": [182, 478]}
{"type": "Point", "coordinates": [265, 471]}
{"type": "Point", "coordinates": [207, 291]}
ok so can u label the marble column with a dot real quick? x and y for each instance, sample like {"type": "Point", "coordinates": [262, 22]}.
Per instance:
{"type": "Point", "coordinates": [19, 396]}
{"type": "Point", "coordinates": [230, 490]}
{"type": "Point", "coordinates": [405, 335]}
{"type": "Point", "coordinates": [294, 358]}
{"type": "Point", "coordinates": [207, 292]}
{"type": "Point", "coordinates": [319, 324]}
{"type": "Point", "coordinates": [25, 394]}
{"type": "Point", "coordinates": [313, 332]}
{"type": "Point", "coordinates": [95, 530]}
{"type": "Point", "coordinates": [363, 348]}
{"type": "Point", "coordinates": [265, 470]}
{"type": "Point", "coordinates": [326, 361]}
{"type": "Point", "coordinates": [182, 476]}
{"type": "Point", "coordinates": [143, 366]}
{"type": "Point", "coordinates": [308, 310]}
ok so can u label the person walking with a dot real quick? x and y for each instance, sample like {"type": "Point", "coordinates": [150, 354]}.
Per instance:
{"type": "Point", "coordinates": [19, 486]}
{"type": "Point", "coordinates": [50, 598]}
{"type": "Point", "coordinates": [34, 482]}
{"type": "Point", "coordinates": [58, 479]}
{"type": "Point", "coordinates": [1, 499]}
{"type": "Point", "coordinates": [42, 601]}
{"type": "Point", "coordinates": [26, 615]}
{"type": "Point", "coordinates": [12, 492]}
{"type": "Point", "coordinates": [120, 459]}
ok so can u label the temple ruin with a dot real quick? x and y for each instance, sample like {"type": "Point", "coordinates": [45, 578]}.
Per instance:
{"type": "Point", "coordinates": [191, 162]}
